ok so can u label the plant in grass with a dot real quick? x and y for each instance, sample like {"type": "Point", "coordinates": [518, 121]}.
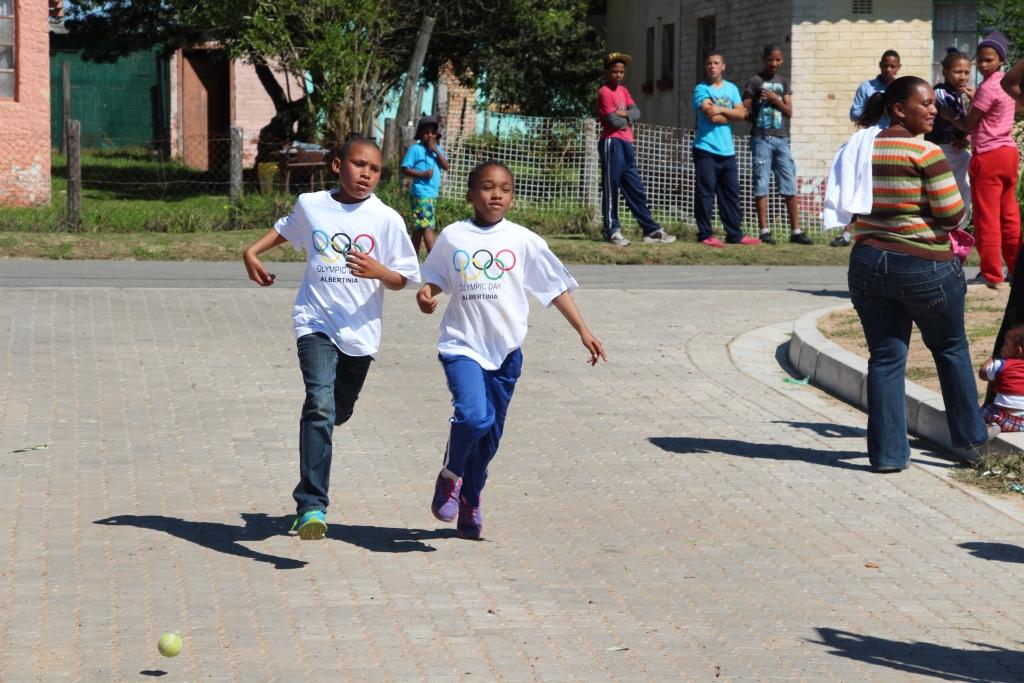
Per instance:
{"type": "Point", "coordinates": [997, 472]}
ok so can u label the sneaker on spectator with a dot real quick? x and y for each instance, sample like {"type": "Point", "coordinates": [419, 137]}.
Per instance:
{"type": "Point", "coordinates": [766, 237]}
{"type": "Point", "coordinates": [660, 236]}
{"type": "Point", "coordinates": [445, 504]}
{"type": "Point", "coordinates": [800, 238]}
{"type": "Point", "coordinates": [471, 521]}
{"type": "Point", "coordinates": [618, 240]}
{"type": "Point", "coordinates": [713, 242]}
{"type": "Point", "coordinates": [747, 239]}
{"type": "Point", "coordinates": [840, 241]}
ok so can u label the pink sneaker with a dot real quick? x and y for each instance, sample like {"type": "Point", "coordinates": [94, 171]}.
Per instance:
{"type": "Point", "coordinates": [747, 240]}
{"type": "Point", "coordinates": [713, 242]}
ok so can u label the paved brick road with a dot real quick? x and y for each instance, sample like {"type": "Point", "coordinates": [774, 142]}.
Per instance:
{"type": "Point", "coordinates": [668, 503]}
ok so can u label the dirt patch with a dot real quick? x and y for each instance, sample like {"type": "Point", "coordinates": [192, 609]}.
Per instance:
{"type": "Point", "coordinates": [983, 314]}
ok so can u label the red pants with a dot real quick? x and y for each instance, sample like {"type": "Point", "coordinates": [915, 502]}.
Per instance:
{"type": "Point", "coordinates": [996, 214]}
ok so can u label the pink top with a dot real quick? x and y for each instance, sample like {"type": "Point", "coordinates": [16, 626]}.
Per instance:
{"type": "Point", "coordinates": [996, 126]}
{"type": "Point", "coordinates": [608, 101]}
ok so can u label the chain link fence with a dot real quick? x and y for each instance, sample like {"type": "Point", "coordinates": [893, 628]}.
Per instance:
{"type": "Point", "coordinates": [556, 167]}
{"type": "Point", "coordinates": [554, 160]}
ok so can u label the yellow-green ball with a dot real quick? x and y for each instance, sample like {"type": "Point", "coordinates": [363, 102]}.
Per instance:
{"type": "Point", "coordinates": [169, 644]}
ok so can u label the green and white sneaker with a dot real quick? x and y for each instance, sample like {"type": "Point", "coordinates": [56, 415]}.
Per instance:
{"type": "Point", "coordinates": [311, 525]}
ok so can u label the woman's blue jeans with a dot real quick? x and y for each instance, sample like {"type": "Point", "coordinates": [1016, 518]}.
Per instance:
{"type": "Point", "coordinates": [890, 291]}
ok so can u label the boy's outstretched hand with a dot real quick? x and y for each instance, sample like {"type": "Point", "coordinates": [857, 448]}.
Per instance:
{"type": "Point", "coordinates": [593, 344]}
{"type": "Point", "coordinates": [365, 266]}
{"type": "Point", "coordinates": [257, 273]}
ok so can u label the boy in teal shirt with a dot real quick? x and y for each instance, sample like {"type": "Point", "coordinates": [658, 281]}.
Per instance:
{"type": "Point", "coordinates": [424, 163]}
{"type": "Point", "coordinates": [717, 102]}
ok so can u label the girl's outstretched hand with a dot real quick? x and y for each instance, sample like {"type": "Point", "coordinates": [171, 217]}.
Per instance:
{"type": "Point", "coordinates": [426, 300]}
{"type": "Point", "coordinates": [593, 344]}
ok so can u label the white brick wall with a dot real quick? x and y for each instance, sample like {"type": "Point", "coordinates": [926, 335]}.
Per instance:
{"type": "Point", "coordinates": [833, 53]}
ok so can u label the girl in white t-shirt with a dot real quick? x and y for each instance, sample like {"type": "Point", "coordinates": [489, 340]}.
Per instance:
{"type": "Point", "coordinates": [487, 265]}
{"type": "Point", "coordinates": [356, 247]}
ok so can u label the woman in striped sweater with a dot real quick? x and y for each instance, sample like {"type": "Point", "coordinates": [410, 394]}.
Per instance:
{"type": "Point", "coordinates": [903, 271]}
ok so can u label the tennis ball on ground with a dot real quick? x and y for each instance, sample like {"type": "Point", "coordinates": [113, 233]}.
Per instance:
{"type": "Point", "coordinates": [169, 644]}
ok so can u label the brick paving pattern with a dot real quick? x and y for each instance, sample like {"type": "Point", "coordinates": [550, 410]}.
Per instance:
{"type": "Point", "coordinates": [663, 517]}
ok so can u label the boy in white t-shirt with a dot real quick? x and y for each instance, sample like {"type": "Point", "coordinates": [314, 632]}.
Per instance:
{"type": "Point", "coordinates": [356, 247]}
{"type": "Point", "coordinates": [488, 265]}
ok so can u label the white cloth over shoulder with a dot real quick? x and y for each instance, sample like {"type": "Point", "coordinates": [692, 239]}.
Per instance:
{"type": "Point", "coordinates": [488, 272]}
{"type": "Point", "coordinates": [848, 191]}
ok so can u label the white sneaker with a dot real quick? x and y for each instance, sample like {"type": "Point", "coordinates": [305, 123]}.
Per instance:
{"type": "Point", "coordinates": [660, 236]}
{"type": "Point", "coordinates": [618, 240]}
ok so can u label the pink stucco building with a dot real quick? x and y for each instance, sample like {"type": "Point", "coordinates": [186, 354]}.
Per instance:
{"type": "Point", "coordinates": [24, 102]}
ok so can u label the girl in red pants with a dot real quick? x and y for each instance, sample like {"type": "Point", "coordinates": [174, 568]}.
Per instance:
{"type": "Point", "coordinates": [994, 165]}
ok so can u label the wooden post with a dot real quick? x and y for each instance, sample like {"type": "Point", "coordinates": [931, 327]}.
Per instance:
{"type": "Point", "coordinates": [412, 76]}
{"type": "Point", "coordinates": [66, 98]}
{"type": "Point", "coordinates": [74, 219]}
{"type": "Point", "coordinates": [390, 149]}
{"type": "Point", "coordinates": [236, 166]}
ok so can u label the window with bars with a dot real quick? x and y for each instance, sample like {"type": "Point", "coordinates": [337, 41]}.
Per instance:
{"type": "Point", "coordinates": [649, 55]}
{"type": "Point", "coordinates": [7, 51]}
{"type": "Point", "coordinates": [668, 53]}
{"type": "Point", "coordinates": [863, 6]}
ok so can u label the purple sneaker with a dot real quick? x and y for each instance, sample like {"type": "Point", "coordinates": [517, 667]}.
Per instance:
{"type": "Point", "coordinates": [446, 498]}
{"type": "Point", "coordinates": [471, 522]}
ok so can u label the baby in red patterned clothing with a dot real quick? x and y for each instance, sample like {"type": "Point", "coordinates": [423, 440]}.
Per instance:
{"type": "Point", "coordinates": [1006, 375]}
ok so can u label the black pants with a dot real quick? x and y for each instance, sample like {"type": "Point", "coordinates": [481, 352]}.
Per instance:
{"type": "Point", "coordinates": [717, 176]}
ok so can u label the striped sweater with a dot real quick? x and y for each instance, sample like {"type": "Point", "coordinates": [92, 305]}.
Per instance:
{"type": "Point", "coordinates": [915, 199]}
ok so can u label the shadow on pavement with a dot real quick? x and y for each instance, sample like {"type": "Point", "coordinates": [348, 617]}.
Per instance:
{"type": "Point", "coordinates": [838, 293]}
{"type": "Point", "coordinates": [770, 451]}
{"type": "Point", "coordinates": [826, 429]}
{"type": "Point", "coordinates": [927, 659]}
{"type": "Point", "coordinates": [382, 539]}
{"type": "Point", "coordinates": [999, 552]}
{"type": "Point", "coordinates": [223, 538]}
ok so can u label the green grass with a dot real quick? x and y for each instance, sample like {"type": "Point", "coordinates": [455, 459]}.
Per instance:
{"type": "Point", "coordinates": [137, 206]}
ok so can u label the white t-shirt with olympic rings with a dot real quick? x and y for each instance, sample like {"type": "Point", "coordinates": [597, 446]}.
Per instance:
{"type": "Point", "coordinates": [331, 299]}
{"type": "Point", "coordinates": [488, 272]}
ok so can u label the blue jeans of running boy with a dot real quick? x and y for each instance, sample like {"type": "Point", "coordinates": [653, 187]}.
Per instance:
{"type": "Point", "coordinates": [890, 292]}
{"type": "Point", "coordinates": [333, 381]}
{"type": "Point", "coordinates": [716, 177]}
{"type": "Point", "coordinates": [620, 174]}
{"type": "Point", "coordinates": [481, 399]}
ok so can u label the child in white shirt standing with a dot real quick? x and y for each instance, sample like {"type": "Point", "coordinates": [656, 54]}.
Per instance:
{"type": "Point", "coordinates": [356, 247]}
{"type": "Point", "coordinates": [487, 265]}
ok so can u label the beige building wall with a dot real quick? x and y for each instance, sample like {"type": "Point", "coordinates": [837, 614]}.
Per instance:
{"type": "Point", "coordinates": [627, 32]}
{"type": "Point", "coordinates": [832, 52]}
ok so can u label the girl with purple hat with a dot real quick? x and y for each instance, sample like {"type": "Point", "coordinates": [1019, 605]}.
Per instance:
{"type": "Point", "coordinates": [994, 164]}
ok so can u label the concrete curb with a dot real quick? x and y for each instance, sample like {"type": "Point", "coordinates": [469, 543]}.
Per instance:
{"type": "Point", "coordinates": [844, 374]}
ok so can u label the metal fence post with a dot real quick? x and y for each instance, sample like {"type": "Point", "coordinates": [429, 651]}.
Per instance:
{"type": "Point", "coordinates": [74, 218]}
{"type": "Point", "coordinates": [236, 166]}
{"type": "Point", "coordinates": [591, 168]}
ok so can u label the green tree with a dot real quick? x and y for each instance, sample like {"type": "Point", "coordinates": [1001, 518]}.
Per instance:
{"type": "Point", "coordinates": [540, 56]}
{"type": "Point", "coordinates": [1008, 17]}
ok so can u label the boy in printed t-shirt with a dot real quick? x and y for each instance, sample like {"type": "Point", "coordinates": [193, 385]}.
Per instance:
{"type": "Point", "coordinates": [768, 99]}
{"type": "Point", "coordinates": [356, 247]}
{"type": "Point", "coordinates": [423, 163]}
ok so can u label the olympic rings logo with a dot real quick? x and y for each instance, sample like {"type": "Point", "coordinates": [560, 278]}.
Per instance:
{"type": "Point", "coordinates": [341, 244]}
{"type": "Point", "coordinates": [491, 266]}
